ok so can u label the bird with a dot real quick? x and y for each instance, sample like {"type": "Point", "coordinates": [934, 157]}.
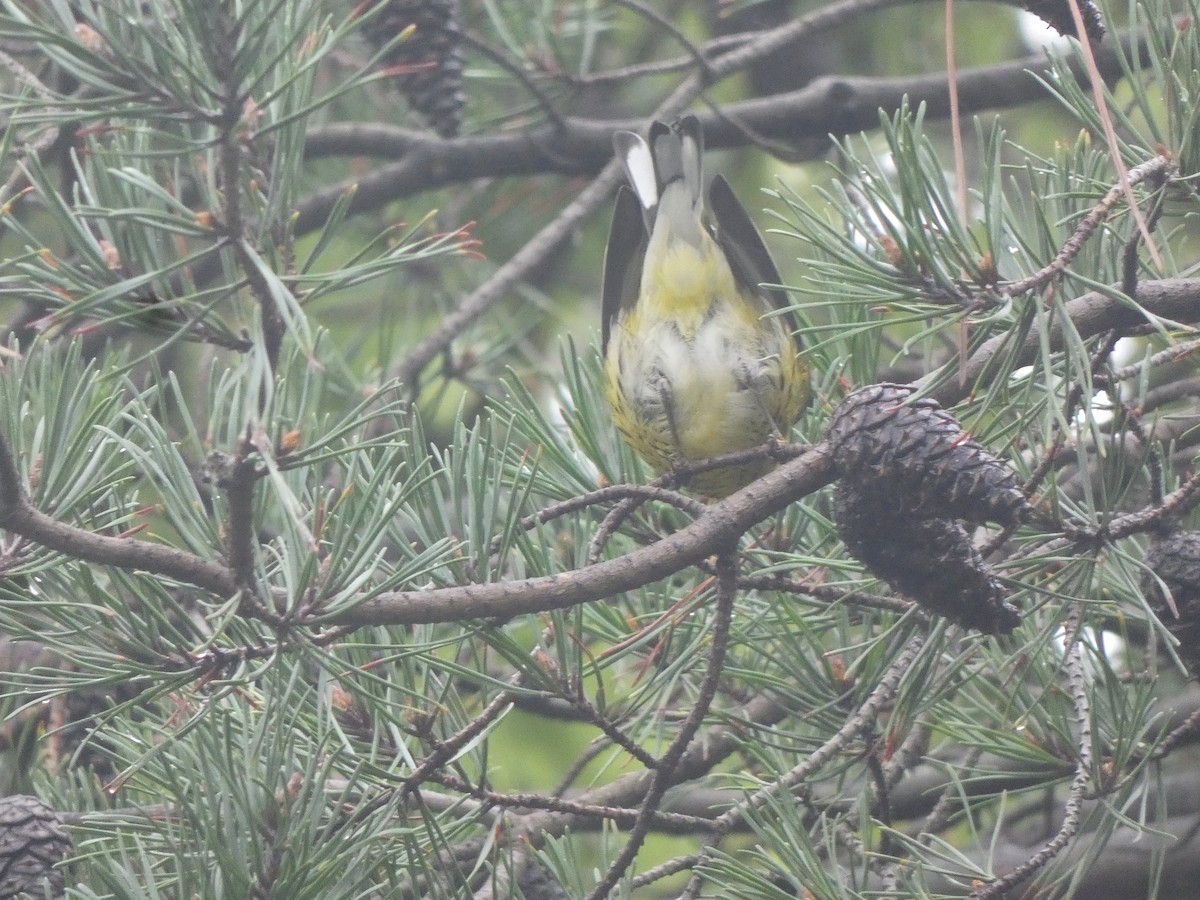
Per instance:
{"type": "Point", "coordinates": [701, 356]}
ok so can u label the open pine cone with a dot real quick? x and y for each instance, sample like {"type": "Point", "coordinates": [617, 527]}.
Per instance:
{"type": "Point", "coordinates": [32, 844]}
{"type": "Point", "coordinates": [908, 472]}
{"type": "Point", "coordinates": [430, 60]}
{"type": "Point", "coordinates": [1175, 562]}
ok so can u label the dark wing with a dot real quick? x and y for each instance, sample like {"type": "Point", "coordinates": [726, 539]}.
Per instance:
{"type": "Point", "coordinates": [622, 260]}
{"type": "Point", "coordinates": [745, 249]}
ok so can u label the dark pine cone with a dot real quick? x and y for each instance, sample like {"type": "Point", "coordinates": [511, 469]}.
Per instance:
{"type": "Point", "coordinates": [431, 57]}
{"type": "Point", "coordinates": [931, 560]}
{"type": "Point", "coordinates": [538, 883]}
{"type": "Point", "coordinates": [73, 713]}
{"type": "Point", "coordinates": [908, 471]}
{"type": "Point", "coordinates": [919, 453]}
{"type": "Point", "coordinates": [1057, 14]}
{"type": "Point", "coordinates": [1175, 560]}
{"type": "Point", "coordinates": [32, 843]}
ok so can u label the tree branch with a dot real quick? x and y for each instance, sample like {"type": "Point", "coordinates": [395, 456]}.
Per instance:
{"type": "Point", "coordinates": [1170, 299]}
{"type": "Point", "coordinates": [663, 776]}
{"type": "Point", "coordinates": [710, 533]}
{"type": "Point", "coordinates": [19, 516]}
{"type": "Point", "coordinates": [581, 147]}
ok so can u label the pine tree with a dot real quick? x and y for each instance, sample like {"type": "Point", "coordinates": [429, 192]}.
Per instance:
{"type": "Point", "coordinates": [324, 573]}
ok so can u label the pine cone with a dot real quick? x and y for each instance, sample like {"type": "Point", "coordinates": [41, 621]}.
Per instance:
{"type": "Point", "coordinates": [32, 843]}
{"type": "Point", "coordinates": [432, 57]}
{"type": "Point", "coordinates": [921, 456]}
{"type": "Point", "coordinates": [907, 472]}
{"type": "Point", "coordinates": [69, 717]}
{"type": "Point", "coordinates": [1175, 560]}
{"type": "Point", "coordinates": [931, 560]}
{"type": "Point", "coordinates": [1057, 14]}
{"type": "Point", "coordinates": [539, 883]}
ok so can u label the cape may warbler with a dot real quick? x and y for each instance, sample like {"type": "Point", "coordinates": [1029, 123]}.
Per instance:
{"type": "Point", "coordinates": [694, 364]}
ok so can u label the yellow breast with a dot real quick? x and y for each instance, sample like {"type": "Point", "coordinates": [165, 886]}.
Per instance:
{"type": "Point", "coordinates": [694, 371]}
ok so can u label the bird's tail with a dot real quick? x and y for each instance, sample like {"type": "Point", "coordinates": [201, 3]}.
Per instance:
{"type": "Point", "coordinates": [676, 152]}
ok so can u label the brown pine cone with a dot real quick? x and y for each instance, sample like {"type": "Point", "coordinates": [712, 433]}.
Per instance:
{"type": "Point", "coordinates": [907, 473]}
{"type": "Point", "coordinates": [432, 57]}
{"type": "Point", "coordinates": [921, 455]}
{"type": "Point", "coordinates": [1057, 14]}
{"type": "Point", "coordinates": [538, 883]}
{"type": "Point", "coordinates": [69, 718]}
{"type": "Point", "coordinates": [32, 843]}
{"type": "Point", "coordinates": [930, 560]}
{"type": "Point", "coordinates": [1175, 561]}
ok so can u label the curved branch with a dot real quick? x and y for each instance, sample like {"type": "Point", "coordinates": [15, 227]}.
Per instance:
{"type": "Point", "coordinates": [513, 270]}
{"type": "Point", "coordinates": [1170, 299]}
{"type": "Point", "coordinates": [831, 105]}
{"type": "Point", "coordinates": [124, 553]}
{"type": "Point", "coordinates": [708, 534]}
{"type": "Point", "coordinates": [706, 751]}
{"type": "Point", "coordinates": [19, 516]}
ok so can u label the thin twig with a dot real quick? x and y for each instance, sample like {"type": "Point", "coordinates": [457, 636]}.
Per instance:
{"type": "Point", "coordinates": [1124, 178]}
{"type": "Point", "coordinates": [623, 817]}
{"type": "Point", "coordinates": [681, 475]}
{"type": "Point", "coordinates": [707, 750]}
{"type": "Point", "coordinates": [1172, 354]}
{"type": "Point", "coordinates": [695, 54]}
{"type": "Point", "coordinates": [722, 618]}
{"type": "Point", "coordinates": [593, 716]}
{"type": "Point", "coordinates": [881, 806]}
{"type": "Point", "coordinates": [19, 516]}
{"type": "Point", "coordinates": [1180, 734]}
{"type": "Point", "coordinates": [517, 71]}
{"type": "Point", "coordinates": [1088, 225]}
{"type": "Point", "coordinates": [1153, 455]}
{"type": "Point", "coordinates": [666, 870]}
{"type": "Point", "coordinates": [1072, 812]}
{"type": "Point", "coordinates": [580, 763]}
{"type": "Point", "coordinates": [636, 496]}
{"type": "Point", "coordinates": [831, 594]}
{"type": "Point", "coordinates": [446, 750]}
{"type": "Point", "coordinates": [863, 718]}
{"type": "Point", "coordinates": [939, 817]}
{"type": "Point", "coordinates": [640, 492]}
{"type": "Point", "coordinates": [608, 527]}
{"type": "Point", "coordinates": [1175, 504]}
{"type": "Point", "coordinates": [911, 752]}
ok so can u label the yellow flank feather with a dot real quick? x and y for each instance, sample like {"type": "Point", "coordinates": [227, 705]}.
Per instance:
{"type": "Point", "coordinates": [694, 366]}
